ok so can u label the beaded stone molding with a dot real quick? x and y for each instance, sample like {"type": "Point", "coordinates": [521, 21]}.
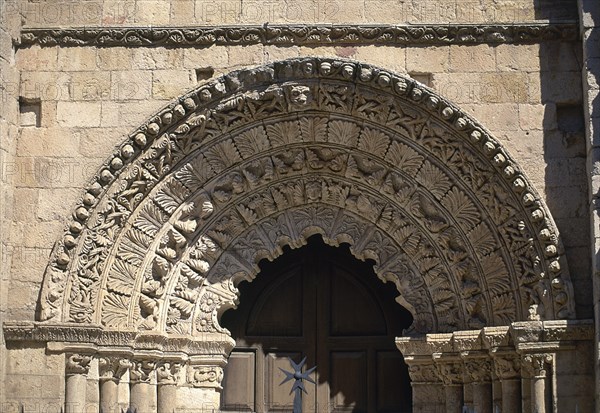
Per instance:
{"type": "Point", "coordinates": [261, 158]}
{"type": "Point", "coordinates": [301, 35]}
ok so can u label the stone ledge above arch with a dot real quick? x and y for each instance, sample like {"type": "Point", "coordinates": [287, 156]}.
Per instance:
{"type": "Point", "coordinates": [234, 142]}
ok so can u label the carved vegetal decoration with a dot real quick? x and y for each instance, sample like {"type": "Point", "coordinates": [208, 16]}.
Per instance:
{"type": "Point", "coordinates": [301, 35]}
{"type": "Point", "coordinates": [537, 365]}
{"type": "Point", "coordinates": [228, 174]}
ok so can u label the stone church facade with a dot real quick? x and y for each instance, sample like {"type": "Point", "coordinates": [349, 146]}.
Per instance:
{"type": "Point", "coordinates": [156, 154]}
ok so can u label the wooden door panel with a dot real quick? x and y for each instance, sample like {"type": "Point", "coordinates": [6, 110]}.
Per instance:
{"type": "Point", "coordinates": [278, 310]}
{"type": "Point", "coordinates": [239, 381]}
{"type": "Point", "coordinates": [319, 302]}
{"type": "Point", "coordinates": [348, 381]}
{"type": "Point", "coordinates": [277, 395]}
{"type": "Point", "coordinates": [393, 395]}
{"type": "Point", "coordinates": [354, 309]}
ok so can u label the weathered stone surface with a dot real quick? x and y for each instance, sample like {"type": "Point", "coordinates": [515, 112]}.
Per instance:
{"type": "Point", "coordinates": [98, 94]}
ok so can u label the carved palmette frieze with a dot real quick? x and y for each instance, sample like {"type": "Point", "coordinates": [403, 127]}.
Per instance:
{"type": "Point", "coordinates": [77, 364]}
{"type": "Point", "coordinates": [377, 161]}
{"type": "Point", "coordinates": [205, 376]}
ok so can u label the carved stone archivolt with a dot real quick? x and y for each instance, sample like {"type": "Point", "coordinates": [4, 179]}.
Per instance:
{"type": "Point", "coordinates": [248, 163]}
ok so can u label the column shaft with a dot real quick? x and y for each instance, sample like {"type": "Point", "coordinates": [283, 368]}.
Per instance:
{"type": "Point", "coordinates": [482, 397]}
{"type": "Point", "coordinates": [109, 396]}
{"type": "Point", "coordinates": [143, 398]}
{"type": "Point", "coordinates": [454, 398]}
{"type": "Point", "coordinates": [75, 393]}
{"type": "Point", "coordinates": [167, 398]}
{"type": "Point", "coordinates": [511, 396]}
{"type": "Point", "coordinates": [538, 395]}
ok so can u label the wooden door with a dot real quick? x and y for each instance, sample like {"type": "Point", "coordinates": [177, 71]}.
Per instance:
{"type": "Point", "coordinates": [321, 303]}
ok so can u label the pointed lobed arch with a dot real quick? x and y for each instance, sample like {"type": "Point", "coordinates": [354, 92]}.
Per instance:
{"type": "Point", "coordinates": [260, 158]}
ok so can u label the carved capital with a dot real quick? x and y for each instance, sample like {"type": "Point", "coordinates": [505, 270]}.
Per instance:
{"type": "Point", "coordinates": [205, 376]}
{"type": "Point", "coordinates": [112, 367]}
{"type": "Point", "coordinates": [537, 365]}
{"type": "Point", "coordinates": [450, 370]}
{"type": "Point", "coordinates": [478, 369]}
{"type": "Point", "coordinates": [507, 366]}
{"type": "Point", "coordinates": [167, 373]}
{"type": "Point", "coordinates": [141, 371]}
{"type": "Point", "coordinates": [77, 364]}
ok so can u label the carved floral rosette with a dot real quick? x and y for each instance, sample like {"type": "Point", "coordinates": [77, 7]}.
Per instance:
{"type": "Point", "coordinates": [261, 158]}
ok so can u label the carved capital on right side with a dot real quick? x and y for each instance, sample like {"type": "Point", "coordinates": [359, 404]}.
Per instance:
{"type": "Point", "coordinates": [112, 367]}
{"type": "Point", "coordinates": [141, 371]}
{"type": "Point", "coordinates": [537, 365]}
{"type": "Point", "coordinates": [167, 372]}
{"type": "Point", "coordinates": [77, 364]}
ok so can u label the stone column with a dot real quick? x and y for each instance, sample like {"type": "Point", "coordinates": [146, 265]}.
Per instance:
{"type": "Point", "coordinates": [110, 369]}
{"type": "Point", "coordinates": [537, 366]}
{"type": "Point", "coordinates": [507, 369]}
{"type": "Point", "coordinates": [478, 368]}
{"type": "Point", "coordinates": [450, 371]}
{"type": "Point", "coordinates": [428, 391]}
{"type": "Point", "coordinates": [77, 367]}
{"type": "Point", "coordinates": [167, 377]}
{"type": "Point", "coordinates": [142, 397]}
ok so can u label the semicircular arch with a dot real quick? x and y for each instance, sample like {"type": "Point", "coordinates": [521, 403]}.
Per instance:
{"type": "Point", "coordinates": [265, 157]}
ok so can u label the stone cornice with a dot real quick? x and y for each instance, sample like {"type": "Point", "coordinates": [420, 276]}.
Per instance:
{"type": "Point", "coordinates": [70, 337]}
{"type": "Point", "coordinates": [301, 35]}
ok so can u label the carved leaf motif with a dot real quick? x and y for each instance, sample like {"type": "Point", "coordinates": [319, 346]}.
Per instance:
{"type": "Point", "coordinates": [138, 238]}
{"type": "Point", "coordinates": [122, 277]}
{"type": "Point", "coordinates": [343, 133]}
{"type": "Point", "coordinates": [196, 173]}
{"type": "Point", "coordinates": [482, 239]}
{"type": "Point", "coordinates": [504, 309]}
{"type": "Point", "coordinates": [284, 133]}
{"type": "Point", "coordinates": [166, 201]}
{"type": "Point", "coordinates": [462, 208]}
{"type": "Point", "coordinates": [252, 142]}
{"type": "Point", "coordinates": [374, 141]}
{"type": "Point", "coordinates": [186, 307]}
{"type": "Point", "coordinates": [434, 179]}
{"type": "Point", "coordinates": [496, 274]}
{"type": "Point", "coordinates": [114, 311]}
{"type": "Point", "coordinates": [150, 219]}
{"type": "Point", "coordinates": [404, 157]}
{"type": "Point", "coordinates": [313, 129]}
{"type": "Point", "coordinates": [407, 238]}
{"type": "Point", "coordinates": [222, 155]}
